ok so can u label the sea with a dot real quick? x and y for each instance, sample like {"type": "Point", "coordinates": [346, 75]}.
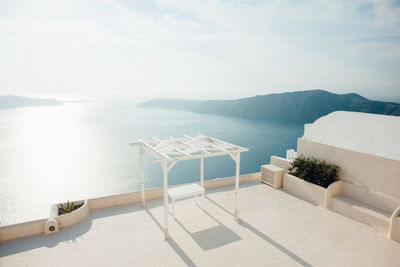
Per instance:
{"type": "Point", "coordinates": [81, 150]}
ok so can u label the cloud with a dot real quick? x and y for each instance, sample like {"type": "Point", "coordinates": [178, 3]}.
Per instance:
{"type": "Point", "coordinates": [208, 48]}
{"type": "Point", "coordinates": [7, 36]}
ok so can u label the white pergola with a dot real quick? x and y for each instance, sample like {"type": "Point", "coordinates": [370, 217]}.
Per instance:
{"type": "Point", "coordinates": [169, 151]}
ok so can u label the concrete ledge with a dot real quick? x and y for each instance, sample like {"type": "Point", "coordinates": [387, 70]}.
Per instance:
{"type": "Point", "coordinates": [219, 182]}
{"type": "Point", "coordinates": [281, 162]}
{"type": "Point", "coordinates": [134, 197]}
{"type": "Point", "coordinates": [309, 192]}
{"type": "Point", "coordinates": [19, 230]}
{"type": "Point", "coordinates": [24, 229]}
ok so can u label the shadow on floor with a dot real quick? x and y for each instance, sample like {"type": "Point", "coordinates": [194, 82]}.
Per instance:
{"type": "Point", "coordinates": [265, 237]}
{"type": "Point", "coordinates": [71, 234]}
{"type": "Point", "coordinates": [172, 243]}
{"type": "Point", "coordinates": [213, 237]}
{"type": "Point", "coordinates": [205, 238]}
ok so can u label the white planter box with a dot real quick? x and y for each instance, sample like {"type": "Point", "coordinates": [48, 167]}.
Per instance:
{"type": "Point", "coordinates": [309, 192]}
{"type": "Point", "coordinates": [73, 217]}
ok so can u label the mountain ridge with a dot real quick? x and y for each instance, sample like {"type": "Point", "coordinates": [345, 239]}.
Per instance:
{"type": "Point", "coordinates": [13, 101]}
{"type": "Point", "coordinates": [306, 106]}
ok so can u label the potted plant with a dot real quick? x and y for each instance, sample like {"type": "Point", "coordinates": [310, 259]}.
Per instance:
{"type": "Point", "coordinates": [315, 171]}
{"type": "Point", "coordinates": [309, 177]}
{"type": "Point", "coordinates": [68, 207]}
{"type": "Point", "coordinates": [69, 212]}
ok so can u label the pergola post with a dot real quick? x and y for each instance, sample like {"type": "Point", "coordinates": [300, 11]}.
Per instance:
{"type": "Point", "coordinates": [165, 182]}
{"type": "Point", "coordinates": [202, 172]}
{"type": "Point", "coordinates": [142, 175]}
{"type": "Point", "coordinates": [202, 180]}
{"type": "Point", "coordinates": [237, 160]}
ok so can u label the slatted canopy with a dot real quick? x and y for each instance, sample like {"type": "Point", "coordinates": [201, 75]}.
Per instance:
{"type": "Point", "coordinates": [171, 150]}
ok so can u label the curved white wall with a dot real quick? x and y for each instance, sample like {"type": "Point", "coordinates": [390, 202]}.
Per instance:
{"type": "Point", "coordinates": [356, 131]}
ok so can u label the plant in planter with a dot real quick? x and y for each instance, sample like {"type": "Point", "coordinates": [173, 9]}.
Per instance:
{"type": "Point", "coordinates": [67, 207]}
{"type": "Point", "coordinates": [314, 171]}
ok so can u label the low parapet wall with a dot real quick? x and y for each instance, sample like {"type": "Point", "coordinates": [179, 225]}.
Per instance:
{"type": "Point", "coordinates": [25, 229]}
{"type": "Point", "coordinates": [18, 230]}
{"type": "Point", "coordinates": [133, 197]}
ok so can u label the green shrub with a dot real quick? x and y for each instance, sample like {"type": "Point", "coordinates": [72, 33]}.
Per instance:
{"type": "Point", "coordinates": [66, 207]}
{"type": "Point", "coordinates": [314, 171]}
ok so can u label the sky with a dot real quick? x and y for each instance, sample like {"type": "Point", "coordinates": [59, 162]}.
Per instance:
{"type": "Point", "coordinates": [199, 49]}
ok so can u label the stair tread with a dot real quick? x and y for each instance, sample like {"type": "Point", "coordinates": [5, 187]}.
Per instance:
{"type": "Point", "coordinates": [362, 207]}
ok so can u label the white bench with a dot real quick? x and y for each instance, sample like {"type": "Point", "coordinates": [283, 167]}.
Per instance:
{"type": "Point", "coordinates": [185, 191]}
{"type": "Point", "coordinates": [365, 205]}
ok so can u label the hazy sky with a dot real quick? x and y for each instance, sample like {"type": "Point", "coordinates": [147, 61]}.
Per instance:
{"type": "Point", "coordinates": [199, 49]}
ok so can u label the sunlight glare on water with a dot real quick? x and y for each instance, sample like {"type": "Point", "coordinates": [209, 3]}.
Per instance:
{"type": "Point", "coordinates": [81, 150]}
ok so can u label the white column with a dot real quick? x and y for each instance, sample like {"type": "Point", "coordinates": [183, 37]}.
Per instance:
{"type": "Point", "coordinates": [165, 182]}
{"type": "Point", "coordinates": [237, 157]}
{"type": "Point", "coordinates": [142, 175]}
{"type": "Point", "coordinates": [202, 172]}
{"type": "Point", "coordinates": [202, 180]}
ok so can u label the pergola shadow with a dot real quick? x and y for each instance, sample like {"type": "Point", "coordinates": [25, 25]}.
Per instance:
{"type": "Point", "coordinates": [213, 237]}
{"type": "Point", "coordinates": [265, 237]}
{"type": "Point", "coordinates": [186, 259]}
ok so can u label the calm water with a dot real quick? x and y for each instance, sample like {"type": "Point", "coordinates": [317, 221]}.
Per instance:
{"type": "Point", "coordinates": [81, 150]}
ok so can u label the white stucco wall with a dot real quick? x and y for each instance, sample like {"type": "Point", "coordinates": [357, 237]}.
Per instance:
{"type": "Point", "coordinates": [379, 173]}
{"type": "Point", "coordinates": [362, 132]}
{"type": "Point", "coordinates": [365, 146]}
{"type": "Point", "coordinates": [300, 188]}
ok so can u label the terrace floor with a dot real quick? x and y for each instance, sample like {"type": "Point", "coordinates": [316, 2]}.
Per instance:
{"type": "Point", "coordinates": [276, 229]}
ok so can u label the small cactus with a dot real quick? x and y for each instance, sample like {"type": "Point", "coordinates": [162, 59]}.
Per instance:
{"type": "Point", "coordinates": [66, 207]}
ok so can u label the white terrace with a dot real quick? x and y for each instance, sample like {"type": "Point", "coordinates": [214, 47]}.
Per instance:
{"type": "Point", "coordinates": [289, 224]}
{"type": "Point", "coordinates": [276, 229]}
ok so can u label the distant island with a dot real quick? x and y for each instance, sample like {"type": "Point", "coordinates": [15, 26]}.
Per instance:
{"type": "Point", "coordinates": [12, 101]}
{"type": "Point", "coordinates": [305, 106]}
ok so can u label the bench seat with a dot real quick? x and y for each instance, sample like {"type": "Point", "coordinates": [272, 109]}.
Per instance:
{"type": "Point", "coordinates": [190, 190]}
{"type": "Point", "coordinates": [359, 211]}
{"type": "Point", "coordinates": [366, 205]}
